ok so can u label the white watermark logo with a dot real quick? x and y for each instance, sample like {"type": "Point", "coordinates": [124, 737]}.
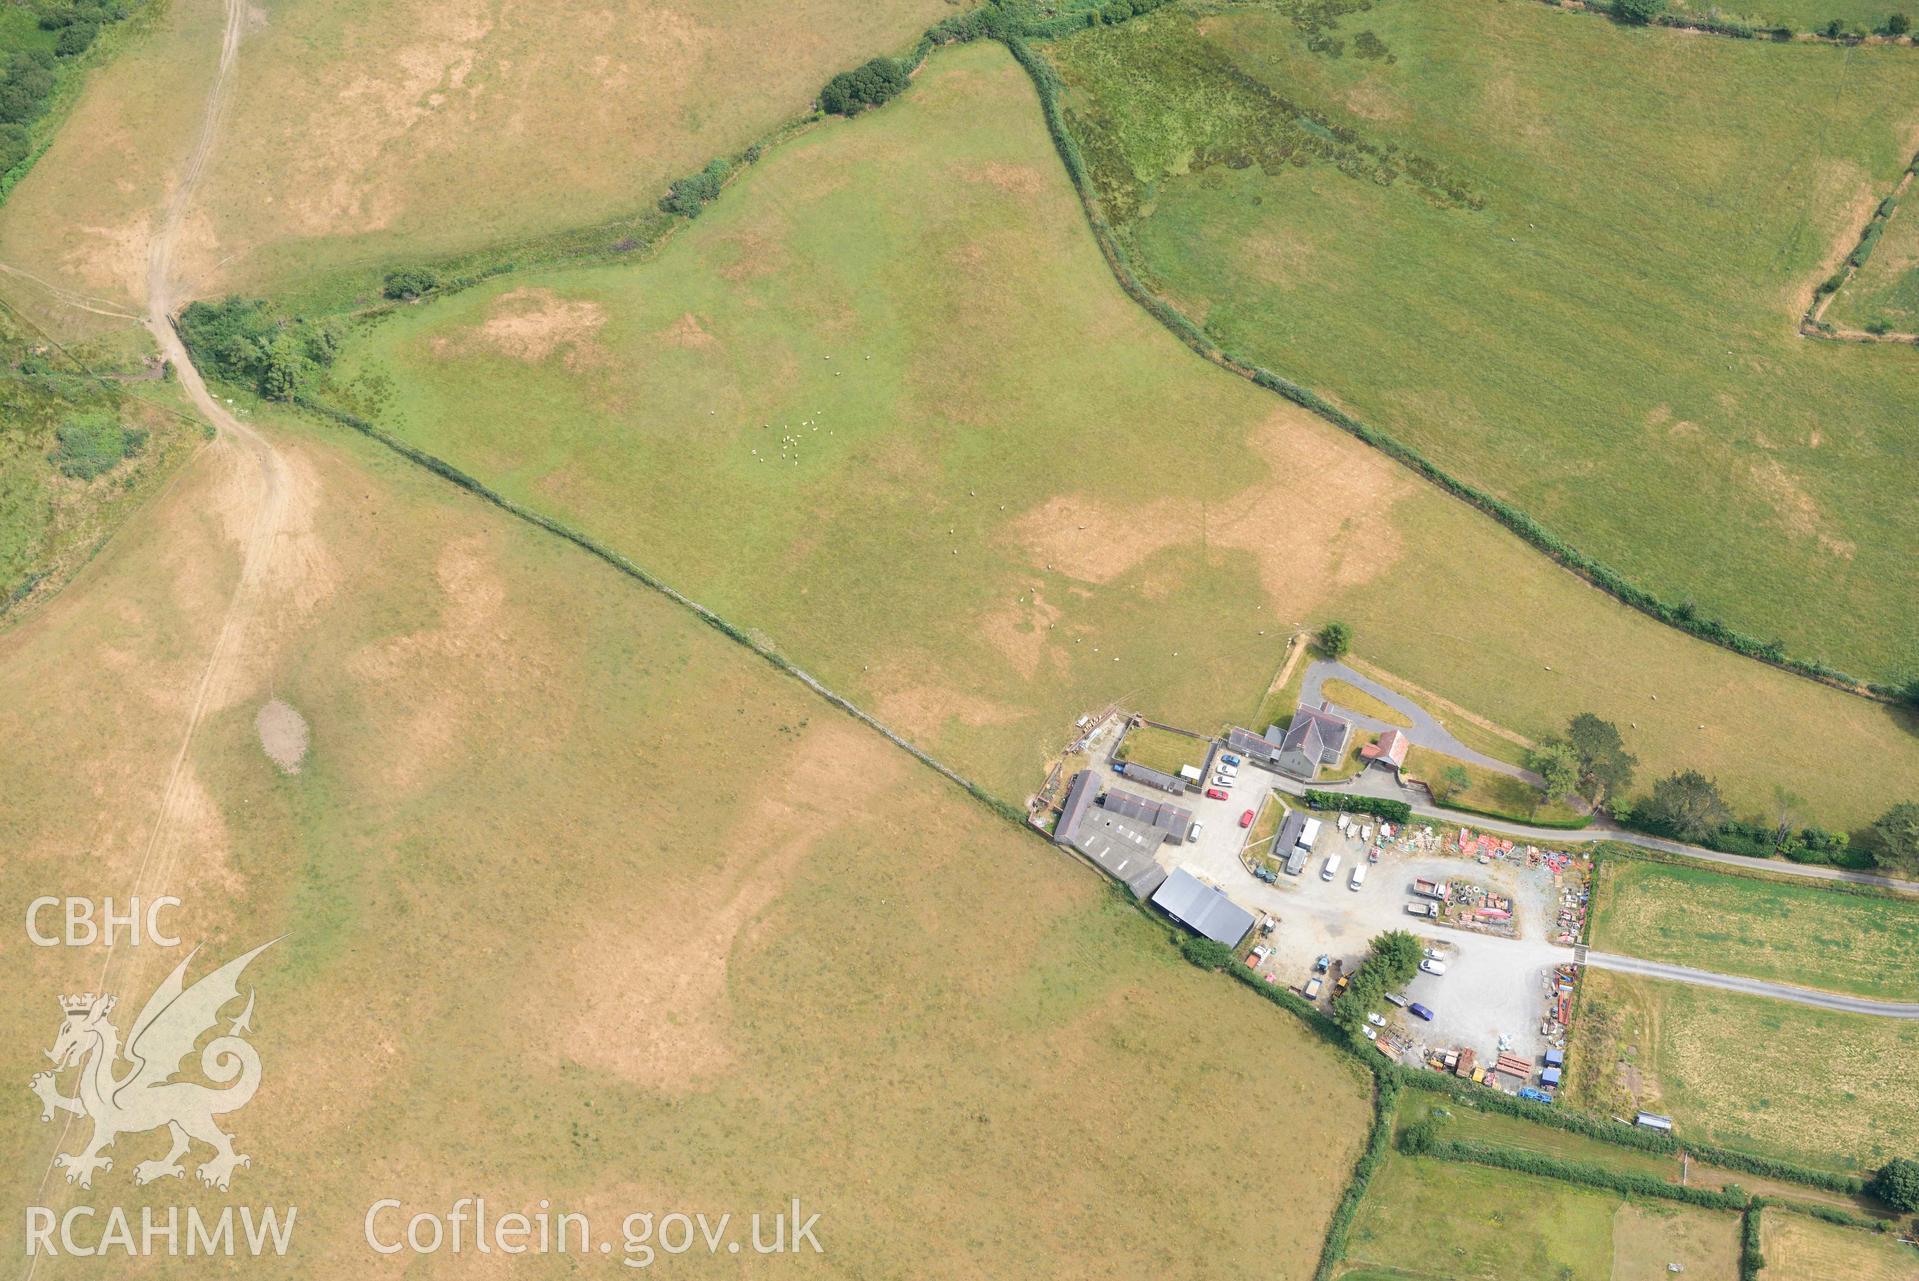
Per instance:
{"type": "Point", "coordinates": [80, 922]}
{"type": "Point", "coordinates": [643, 1237]}
{"type": "Point", "coordinates": [145, 1096]}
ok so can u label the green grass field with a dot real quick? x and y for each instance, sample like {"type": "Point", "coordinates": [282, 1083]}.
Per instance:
{"type": "Point", "coordinates": [1163, 750]}
{"type": "Point", "coordinates": [1619, 358]}
{"type": "Point", "coordinates": [686, 937]}
{"type": "Point", "coordinates": [866, 406]}
{"type": "Point", "coordinates": [1745, 1072]}
{"type": "Point", "coordinates": [1450, 1222]}
{"type": "Point", "coordinates": [1789, 932]}
{"type": "Point", "coordinates": [1489, 792]}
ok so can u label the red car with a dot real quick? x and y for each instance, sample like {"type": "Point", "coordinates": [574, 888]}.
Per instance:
{"type": "Point", "coordinates": [1214, 794]}
{"type": "Point", "coordinates": [1246, 819]}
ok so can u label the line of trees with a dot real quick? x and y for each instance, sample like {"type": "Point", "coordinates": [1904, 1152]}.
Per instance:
{"type": "Point", "coordinates": [1590, 761]}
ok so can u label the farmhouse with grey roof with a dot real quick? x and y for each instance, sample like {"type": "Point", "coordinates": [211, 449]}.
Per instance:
{"type": "Point", "coordinates": [1202, 909]}
{"type": "Point", "coordinates": [1316, 737]}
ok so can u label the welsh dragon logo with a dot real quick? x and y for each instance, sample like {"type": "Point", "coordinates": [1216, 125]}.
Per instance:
{"type": "Point", "coordinates": [145, 1096]}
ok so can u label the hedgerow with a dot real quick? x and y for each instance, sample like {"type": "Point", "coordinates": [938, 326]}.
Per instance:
{"type": "Point", "coordinates": [1592, 1176]}
{"type": "Point", "coordinates": [1751, 1261]}
{"type": "Point", "coordinates": [1378, 1140]}
{"type": "Point", "coordinates": [1378, 806]}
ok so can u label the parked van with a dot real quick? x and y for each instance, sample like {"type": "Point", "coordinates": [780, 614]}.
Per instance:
{"type": "Point", "coordinates": [1331, 869]}
{"type": "Point", "coordinates": [1358, 877]}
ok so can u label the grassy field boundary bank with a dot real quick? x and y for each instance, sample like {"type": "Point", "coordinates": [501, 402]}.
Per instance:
{"type": "Point", "coordinates": [1644, 854]}
{"type": "Point", "coordinates": [1682, 617]}
{"type": "Point", "coordinates": [1813, 323]}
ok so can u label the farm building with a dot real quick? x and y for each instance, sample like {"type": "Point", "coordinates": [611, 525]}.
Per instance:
{"type": "Point", "coordinates": [1170, 819]}
{"type": "Point", "coordinates": [1146, 777]}
{"type": "Point", "coordinates": [1122, 847]}
{"type": "Point", "coordinates": [1388, 750]}
{"type": "Point", "coordinates": [1254, 747]}
{"type": "Point", "coordinates": [1316, 737]}
{"type": "Point", "coordinates": [1202, 909]}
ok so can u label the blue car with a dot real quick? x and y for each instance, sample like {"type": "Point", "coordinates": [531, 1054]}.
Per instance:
{"type": "Point", "coordinates": [1230, 760]}
{"type": "Point", "coordinates": [1419, 1011]}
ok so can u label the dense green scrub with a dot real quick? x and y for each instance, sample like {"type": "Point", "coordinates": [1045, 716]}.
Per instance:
{"type": "Point", "coordinates": [1563, 259]}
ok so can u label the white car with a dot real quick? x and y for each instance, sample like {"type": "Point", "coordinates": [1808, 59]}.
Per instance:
{"type": "Point", "coordinates": [1375, 1020]}
{"type": "Point", "coordinates": [1370, 1034]}
{"type": "Point", "coordinates": [1432, 953]}
{"type": "Point", "coordinates": [1433, 967]}
{"type": "Point", "coordinates": [1221, 781]}
{"type": "Point", "coordinates": [1193, 833]}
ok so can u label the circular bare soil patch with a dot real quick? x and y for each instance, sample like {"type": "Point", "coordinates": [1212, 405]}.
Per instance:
{"type": "Point", "coordinates": [283, 735]}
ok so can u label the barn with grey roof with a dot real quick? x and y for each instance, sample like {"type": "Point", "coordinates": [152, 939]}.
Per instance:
{"type": "Point", "coordinates": [1202, 909]}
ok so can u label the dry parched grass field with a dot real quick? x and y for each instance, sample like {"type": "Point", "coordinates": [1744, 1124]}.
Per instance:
{"type": "Point", "coordinates": [583, 903]}
{"type": "Point", "coordinates": [871, 406]}
{"type": "Point", "coordinates": [1807, 1085]}
{"type": "Point", "coordinates": [1800, 1249]}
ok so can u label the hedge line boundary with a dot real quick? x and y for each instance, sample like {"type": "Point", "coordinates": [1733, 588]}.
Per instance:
{"type": "Point", "coordinates": [1813, 324]}
{"type": "Point", "coordinates": [1706, 26]}
{"type": "Point", "coordinates": [1596, 573]}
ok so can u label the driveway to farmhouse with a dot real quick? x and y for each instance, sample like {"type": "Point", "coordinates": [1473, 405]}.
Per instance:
{"type": "Point", "coordinates": [1425, 732]}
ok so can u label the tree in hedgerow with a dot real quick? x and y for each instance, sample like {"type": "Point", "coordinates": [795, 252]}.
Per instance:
{"type": "Point", "coordinates": [1686, 805]}
{"type": "Point", "coordinates": [868, 85]}
{"type": "Point", "coordinates": [1897, 1184]}
{"type": "Point", "coordinates": [1557, 765]}
{"type": "Point", "coordinates": [1335, 639]}
{"type": "Point", "coordinates": [1638, 12]}
{"type": "Point", "coordinates": [1898, 25]}
{"type": "Point", "coordinates": [1451, 782]}
{"type": "Point", "coordinates": [1893, 838]}
{"type": "Point", "coordinates": [1605, 766]}
{"type": "Point", "coordinates": [1208, 954]}
{"type": "Point", "coordinates": [408, 283]}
